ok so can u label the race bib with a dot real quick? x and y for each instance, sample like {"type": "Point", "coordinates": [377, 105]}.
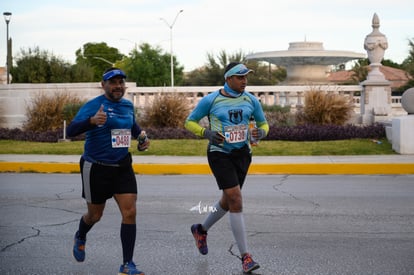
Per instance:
{"type": "Point", "coordinates": [121, 138]}
{"type": "Point", "coordinates": [235, 133]}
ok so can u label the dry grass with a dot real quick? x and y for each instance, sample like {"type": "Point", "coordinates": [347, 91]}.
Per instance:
{"type": "Point", "coordinates": [167, 110]}
{"type": "Point", "coordinates": [324, 108]}
{"type": "Point", "coordinates": [47, 111]}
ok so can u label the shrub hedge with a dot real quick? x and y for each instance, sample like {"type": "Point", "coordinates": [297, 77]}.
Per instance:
{"type": "Point", "coordinates": [292, 133]}
{"type": "Point", "coordinates": [325, 132]}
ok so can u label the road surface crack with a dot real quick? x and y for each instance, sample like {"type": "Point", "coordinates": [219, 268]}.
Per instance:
{"type": "Point", "coordinates": [37, 233]}
{"type": "Point", "coordinates": [283, 182]}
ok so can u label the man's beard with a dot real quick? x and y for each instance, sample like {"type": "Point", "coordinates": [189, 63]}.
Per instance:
{"type": "Point", "coordinates": [114, 97]}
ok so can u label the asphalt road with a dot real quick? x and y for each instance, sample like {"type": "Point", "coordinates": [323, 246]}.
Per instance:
{"type": "Point", "coordinates": [297, 224]}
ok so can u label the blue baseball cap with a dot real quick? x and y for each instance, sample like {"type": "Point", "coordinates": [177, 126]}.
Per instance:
{"type": "Point", "coordinates": [112, 73]}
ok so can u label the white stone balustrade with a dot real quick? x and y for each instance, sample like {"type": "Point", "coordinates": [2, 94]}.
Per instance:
{"type": "Point", "coordinates": [15, 98]}
{"type": "Point", "coordinates": [268, 95]}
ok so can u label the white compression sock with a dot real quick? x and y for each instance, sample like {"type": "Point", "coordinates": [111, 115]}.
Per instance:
{"type": "Point", "coordinates": [213, 217]}
{"type": "Point", "coordinates": [239, 231]}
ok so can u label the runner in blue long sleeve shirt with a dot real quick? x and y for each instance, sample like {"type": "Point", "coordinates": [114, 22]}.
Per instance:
{"type": "Point", "coordinates": [106, 165]}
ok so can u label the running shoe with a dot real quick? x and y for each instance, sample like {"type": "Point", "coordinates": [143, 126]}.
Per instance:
{"type": "Point", "coordinates": [79, 248]}
{"type": "Point", "coordinates": [248, 263]}
{"type": "Point", "coordinates": [200, 237]}
{"type": "Point", "coordinates": [129, 268]}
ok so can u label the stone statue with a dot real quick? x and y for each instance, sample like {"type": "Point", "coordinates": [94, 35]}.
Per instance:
{"type": "Point", "coordinates": [376, 95]}
{"type": "Point", "coordinates": [375, 44]}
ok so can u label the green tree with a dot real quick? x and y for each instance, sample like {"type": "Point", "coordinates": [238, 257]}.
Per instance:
{"type": "Point", "coordinates": [360, 70]}
{"type": "Point", "coordinates": [390, 63]}
{"type": "Point", "coordinates": [98, 56]}
{"type": "Point", "coordinates": [265, 73]}
{"type": "Point", "coordinates": [148, 66]}
{"type": "Point", "coordinates": [408, 63]}
{"type": "Point", "coordinates": [408, 66]}
{"type": "Point", "coordinates": [211, 74]}
{"type": "Point", "coordinates": [59, 71]}
{"type": "Point", "coordinates": [82, 73]}
{"type": "Point", "coordinates": [40, 66]}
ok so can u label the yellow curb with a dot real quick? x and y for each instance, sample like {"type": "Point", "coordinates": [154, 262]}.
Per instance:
{"type": "Point", "coordinates": [333, 168]}
{"type": "Point", "coordinates": [204, 169]}
{"type": "Point", "coordinates": [39, 167]}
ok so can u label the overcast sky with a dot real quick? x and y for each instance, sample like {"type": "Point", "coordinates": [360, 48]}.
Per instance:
{"type": "Point", "coordinates": [205, 26]}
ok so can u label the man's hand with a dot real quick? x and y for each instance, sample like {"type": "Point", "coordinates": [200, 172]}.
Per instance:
{"type": "Point", "coordinates": [143, 146]}
{"type": "Point", "coordinates": [258, 133]}
{"type": "Point", "coordinates": [143, 142]}
{"type": "Point", "coordinates": [213, 136]}
{"type": "Point", "coordinates": [99, 118]}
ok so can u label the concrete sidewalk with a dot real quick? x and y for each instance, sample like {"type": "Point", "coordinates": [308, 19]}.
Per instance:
{"type": "Point", "coordinates": [151, 165]}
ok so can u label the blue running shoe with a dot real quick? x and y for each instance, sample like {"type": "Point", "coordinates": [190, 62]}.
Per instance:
{"type": "Point", "coordinates": [200, 237]}
{"type": "Point", "coordinates": [248, 264]}
{"type": "Point", "coordinates": [79, 248]}
{"type": "Point", "coordinates": [129, 268]}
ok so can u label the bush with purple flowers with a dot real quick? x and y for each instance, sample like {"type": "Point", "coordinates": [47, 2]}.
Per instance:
{"type": "Point", "coordinates": [310, 132]}
{"type": "Point", "coordinates": [292, 133]}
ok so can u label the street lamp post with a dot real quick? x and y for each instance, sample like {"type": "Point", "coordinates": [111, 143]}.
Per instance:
{"type": "Point", "coordinates": [7, 16]}
{"type": "Point", "coordinates": [104, 60]}
{"type": "Point", "coordinates": [171, 45]}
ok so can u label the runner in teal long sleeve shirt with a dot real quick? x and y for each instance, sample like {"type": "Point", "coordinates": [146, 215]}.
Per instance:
{"type": "Point", "coordinates": [229, 153]}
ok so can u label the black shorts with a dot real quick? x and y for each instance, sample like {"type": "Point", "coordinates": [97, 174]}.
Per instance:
{"type": "Point", "coordinates": [100, 182]}
{"type": "Point", "coordinates": [230, 169]}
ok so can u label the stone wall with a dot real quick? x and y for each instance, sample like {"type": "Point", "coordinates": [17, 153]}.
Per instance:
{"type": "Point", "coordinates": [15, 98]}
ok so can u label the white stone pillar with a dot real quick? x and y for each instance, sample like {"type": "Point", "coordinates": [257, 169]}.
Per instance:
{"type": "Point", "coordinates": [403, 126]}
{"type": "Point", "coordinates": [376, 95]}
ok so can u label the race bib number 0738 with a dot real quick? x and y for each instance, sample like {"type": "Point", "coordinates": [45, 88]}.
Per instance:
{"type": "Point", "coordinates": [121, 138]}
{"type": "Point", "coordinates": [235, 133]}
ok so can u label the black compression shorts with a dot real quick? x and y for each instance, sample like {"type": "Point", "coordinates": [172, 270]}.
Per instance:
{"type": "Point", "coordinates": [100, 182]}
{"type": "Point", "coordinates": [230, 169]}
